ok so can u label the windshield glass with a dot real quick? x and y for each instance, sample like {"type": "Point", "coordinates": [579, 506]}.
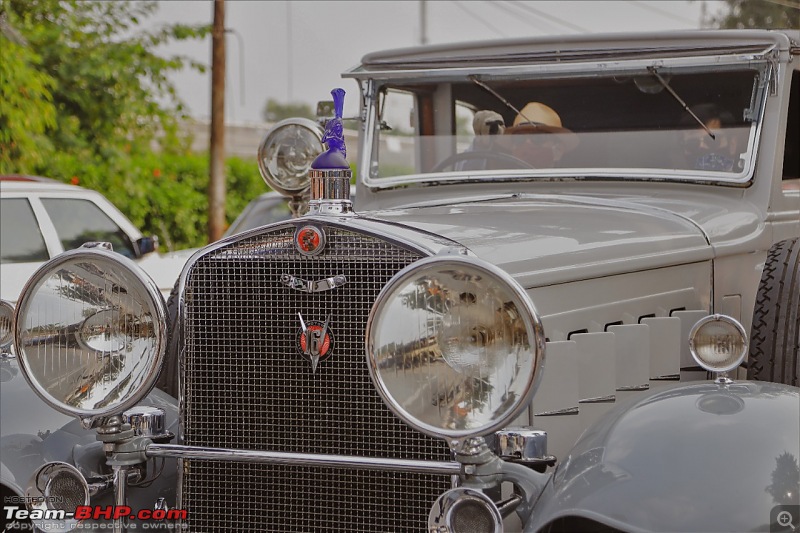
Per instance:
{"type": "Point", "coordinates": [691, 125]}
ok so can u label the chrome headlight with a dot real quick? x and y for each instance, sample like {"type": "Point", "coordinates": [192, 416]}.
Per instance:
{"type": "Point", "coordinates": [90, 333]}
{"type": "Point", "coordinates": [286, 153]}
{"type": "Point", "coordinates": [6, 319]}
{"type": "Point", "coordinates": [455, 347]}
{"type": "Point", "coordinates": [56, 488]}
{"type": "Point", "coordinates": [718, 343]}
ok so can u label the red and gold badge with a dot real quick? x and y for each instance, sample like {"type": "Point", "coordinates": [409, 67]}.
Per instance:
{"type": "Point", "coordinates": [309, 240]}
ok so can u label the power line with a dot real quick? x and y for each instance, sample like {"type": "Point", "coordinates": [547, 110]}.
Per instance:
{"type": "Point", "coordinates": [516, 14]}
{"type": "Point", "coordinates": [663, 12]}
{"type": "Point", "coordinates": [552, 18]}
{"type": "Point", "coordinates": [479, 19]}
{"type": "Point", "coordinates": [785, 3]}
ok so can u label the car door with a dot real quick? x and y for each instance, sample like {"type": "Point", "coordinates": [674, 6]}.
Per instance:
{"type": "Point", "coordinates": [81, 220]}
{"type": "Point", "coordinates": [23, 246]}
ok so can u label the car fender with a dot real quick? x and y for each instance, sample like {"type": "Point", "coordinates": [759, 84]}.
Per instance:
{"type": "Point", "coordinates": [699, 457]}
{"type": "Point", "coordinates": [32, 434]}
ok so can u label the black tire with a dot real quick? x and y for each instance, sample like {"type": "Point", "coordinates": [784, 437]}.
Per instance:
{"type": "Point", "coordinates": [168, 379]}
{"type": "Point", "coordinates": [775, 335]}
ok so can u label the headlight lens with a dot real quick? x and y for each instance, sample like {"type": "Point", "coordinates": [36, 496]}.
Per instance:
{"type": "Point", "coordinates": [286, 153]}
{"type": "Point", "coordinates": [90, 333]}
{"type": "Point", "coordinates": [455, 346]}
{"type": "Point", "coordinates": [6, 319]}
{"type": "Point", "coordinates": [718, 343]}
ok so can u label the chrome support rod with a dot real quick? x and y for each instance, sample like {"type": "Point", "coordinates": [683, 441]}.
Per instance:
{"type": "Point", "coordinates": [120, 496]}
{"type": "Point", "coordinates": [302, 459]}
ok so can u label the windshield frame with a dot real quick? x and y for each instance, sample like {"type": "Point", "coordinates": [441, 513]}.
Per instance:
{"type": "Point", "coordinates": [763, 67]}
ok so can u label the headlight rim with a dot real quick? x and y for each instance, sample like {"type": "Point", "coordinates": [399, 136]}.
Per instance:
{"type": "Point", "coordinates": [159, 307]}
{"type": "Point", "coordinates": [718, 317]}
{"type": "Point", "coordinates": [10, 310]}
{"type": "Point", "coordinates": [535, 330]}
{"type": "Point", "coordinates": [266, 175]}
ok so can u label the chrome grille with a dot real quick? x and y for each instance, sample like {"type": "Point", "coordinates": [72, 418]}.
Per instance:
{"type": "Point", "coordinates": [246, 386]}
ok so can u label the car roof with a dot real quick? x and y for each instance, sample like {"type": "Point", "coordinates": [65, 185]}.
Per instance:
{"type": "Point", "coordinates": [22, 182]}
{"type": "Point", "coordinates": [583, 47]}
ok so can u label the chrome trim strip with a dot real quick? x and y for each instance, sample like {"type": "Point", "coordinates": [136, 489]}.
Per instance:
{"type": "Point", "coordinates": [561, 412]}
{"type": "Point", "coordinates": [669, 377]}
{"type": "Point", "coordinates": [302, 459]}
{"type": "Point", "coordinates": [591, 67]}
{"type": "Point", "coordinates": [634, 388]}
{"type": "Point", "coordinates": [602, 399]}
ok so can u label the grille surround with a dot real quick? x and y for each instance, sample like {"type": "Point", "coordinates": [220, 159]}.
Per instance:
{"type": "Point", "coordinates": [245, 385]}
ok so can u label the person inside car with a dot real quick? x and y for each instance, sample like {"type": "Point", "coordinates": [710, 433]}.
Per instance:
{"type": "Point", "coordinates": [486, 124]}
{"type": "Point", "coordinates": [538, 137]}
{"type": "Point", "coordinates": [701, 151]}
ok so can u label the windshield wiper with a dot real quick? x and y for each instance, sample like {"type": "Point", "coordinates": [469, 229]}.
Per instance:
{"type": "Point", "coordinates": [654, 72]}
{"type": "Point", "coordinates": [494, 93]}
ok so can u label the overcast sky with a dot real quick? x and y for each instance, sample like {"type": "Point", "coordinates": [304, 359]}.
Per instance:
{"type": "Point", "coordinates": [296, 50]}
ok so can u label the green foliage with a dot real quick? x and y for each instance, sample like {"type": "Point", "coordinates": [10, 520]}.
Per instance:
{"type": "Point", "coordinates": [757, 14]}
{"type": "Point", "coordinates": [275, 111]}
{"type": "Point", "coordinates": [26, 107]}
{"type": "Point", "coordinates": [92, 63]}
{"type": "Point", "coordinates": [85, 98]}
{"type": "Point", "coordinates": [164, 194]}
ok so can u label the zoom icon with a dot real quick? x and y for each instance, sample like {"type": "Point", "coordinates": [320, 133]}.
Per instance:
{"type": "Point", "coordinates": [784, 519]}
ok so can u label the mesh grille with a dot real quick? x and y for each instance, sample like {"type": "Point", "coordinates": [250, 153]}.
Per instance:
{"type": "Point", "coordinates": [247, 386]}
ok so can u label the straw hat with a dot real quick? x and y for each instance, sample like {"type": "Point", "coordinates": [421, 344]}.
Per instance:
{"type": "Point", "coordinates": [536, 117]}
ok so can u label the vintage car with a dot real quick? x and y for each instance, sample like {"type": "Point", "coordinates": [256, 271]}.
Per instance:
{"type": "Point", "coordinates": [568, 302]}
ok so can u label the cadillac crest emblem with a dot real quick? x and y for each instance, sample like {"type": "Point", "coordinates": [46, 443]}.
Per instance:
{"type": "Point", "coordinates": [315, 341]}
{"type": "Point", "coordinates": [309, 240]}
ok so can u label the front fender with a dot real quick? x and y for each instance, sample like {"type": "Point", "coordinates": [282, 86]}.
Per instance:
{"type": "Point", "coordinates": [32, 434]}
{"type": "Point", "coordinates": [700, 457]}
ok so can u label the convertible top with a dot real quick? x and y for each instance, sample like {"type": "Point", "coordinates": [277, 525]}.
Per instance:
{"type": "Point", "coordinates": [585, 47]}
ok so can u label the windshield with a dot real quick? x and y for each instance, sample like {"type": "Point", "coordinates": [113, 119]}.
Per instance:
{"type": "Point", "coordinates": [690, 125]}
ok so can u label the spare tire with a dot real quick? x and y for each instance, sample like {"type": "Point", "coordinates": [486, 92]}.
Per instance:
{"type": "Point", "coordinates": [775, 334]}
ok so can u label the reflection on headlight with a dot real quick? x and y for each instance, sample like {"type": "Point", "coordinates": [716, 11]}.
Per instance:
{"type": "Point", "coordinates": [90, 333]}
{"type": "Point", "coordinates": [455, 346]}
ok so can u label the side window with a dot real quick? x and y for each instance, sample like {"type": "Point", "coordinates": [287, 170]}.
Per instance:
{"type": "Point", "coordinates": [20, 238]}
{"type": "Point", "coordinates": [81, 221]}
{"type": "Point", "coordinates": [791, 154]}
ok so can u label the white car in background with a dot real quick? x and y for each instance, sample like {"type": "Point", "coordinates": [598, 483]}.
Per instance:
{"type": "Point", "coordinates": [40, 218]}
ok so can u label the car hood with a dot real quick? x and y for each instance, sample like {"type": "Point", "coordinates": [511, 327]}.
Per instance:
{"type": "Point", "coordinates": [551, 239]}
{"type": "Point", "coordinates": [699, 457]}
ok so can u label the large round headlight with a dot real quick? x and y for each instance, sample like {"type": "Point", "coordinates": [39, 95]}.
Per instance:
{"type": "Point", "coordinates": [455, 346]}
{"type": "Point", "coordinates": [286, 153]}
{"type": "Point", "coordinates": [90, 333]}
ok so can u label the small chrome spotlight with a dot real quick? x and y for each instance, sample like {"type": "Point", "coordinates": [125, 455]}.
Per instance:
{"type": "Point", "coordinates": [718, 343]}
{"type": "Point", "coordinates": [55, 490]}
{"type": "Point", "coordinates": [464, 510]}
{"type": "Point", "coordinates": [6, 325]}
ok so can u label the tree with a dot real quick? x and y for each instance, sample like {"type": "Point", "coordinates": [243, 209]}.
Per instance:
{"type": "Point", "coordinates": [275, 111]}
{"type": "Point", "coordinates": [86, 80]}
{"type": "Point", "coordinates": [26, 103]}
{"type": "Point", "coordinates": [768, 14]}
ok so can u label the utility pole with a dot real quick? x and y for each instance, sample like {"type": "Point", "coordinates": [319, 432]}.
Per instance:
{"type": "Point", "coordinates": [216, 177]}
{"type": "Point", "coordinates": [423, 22]}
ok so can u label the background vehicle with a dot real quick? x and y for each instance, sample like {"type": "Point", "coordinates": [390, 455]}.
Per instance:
{"type": "Point", "coordinates": [268, 208]}
{"type": "Point", "coordinates": [42, 218]}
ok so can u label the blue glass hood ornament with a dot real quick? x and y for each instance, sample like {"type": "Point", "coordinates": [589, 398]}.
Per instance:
{"type": "Point", "coordinates": [330, 172]}
{"type": "Point", "coordinates": [335, 156]}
